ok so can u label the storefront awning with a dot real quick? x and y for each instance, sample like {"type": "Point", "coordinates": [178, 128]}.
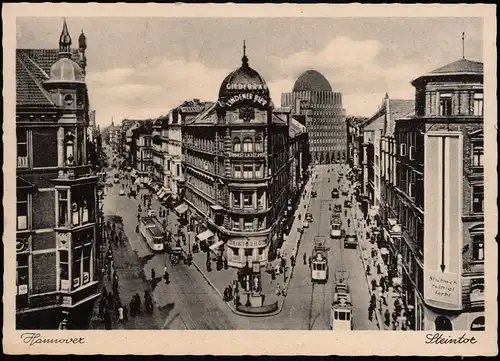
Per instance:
{"type": "Point", "coordinates": [181, 208]}
{"type": "Point", "coordinates": [205, 235]}
{"type": "Point", "coordinates": [216, 245]}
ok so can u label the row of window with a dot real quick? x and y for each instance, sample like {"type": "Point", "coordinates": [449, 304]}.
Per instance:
{"type": "Point", "coordinates": [248, 145]}
{"type": "Point", "coordinates": [43, 144]}
{"type": "Point", "coordinates": [247, 224]}
{"type": "Point", "coordinates": [82, 209]}
{"type": "Point", "coordinates": [248, 199]}
{"type": "Point", "coordinates": [200, 163]}
{"type": "Point", "coordinates": [448, 100]}
{"type": "Point", "coordinates": [199, 142]}
{"type": "Point", "coordinates": [248, 171]}
{"type": "Point", "coordinates": [199, 183]}
{"type": "Point", "coordinates": [81, 270]}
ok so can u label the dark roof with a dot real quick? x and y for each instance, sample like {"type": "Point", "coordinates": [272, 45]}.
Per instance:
{"type": "Point", "coordinates": [460, 66]}
{"type": "Point", "coordinates": [311, 80]}
{"type": "Point", "coordinates": [243, 77]}
{"type": "Point", "coordinates": [32, 69]}
{"type": "Point", "coordinates": [29, 89]}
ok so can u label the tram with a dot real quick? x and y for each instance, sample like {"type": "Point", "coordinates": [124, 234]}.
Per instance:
{"type": "Point", "coordinates": [319, 264]}
{"type": "Point", "coordinates": [152, 231]}
{"type": "Point", "coordinates": [341, 310]}
{"type": "Point", "coordinates": [336, 223]}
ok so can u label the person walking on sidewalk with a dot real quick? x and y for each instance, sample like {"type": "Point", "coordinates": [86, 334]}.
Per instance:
{"type": "Point", "coordinates": [305, 259]}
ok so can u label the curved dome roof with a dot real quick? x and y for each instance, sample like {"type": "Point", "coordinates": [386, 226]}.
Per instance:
{"type": "Point", "coordinates": [66, 70]}
{"type": "Point", "coordinates": [312, 80]}
{"type": "Point", "coordinates": [243, 78]}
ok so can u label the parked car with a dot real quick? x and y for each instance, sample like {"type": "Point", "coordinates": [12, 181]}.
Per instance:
{"type": "Point", "coordinates": [309, 217]}
{"type": "Point", "coordinates": [314, 194]}
{"type": "Point", "coordinates": [337, 208]}
{"type": "Point", "coordinates": [305, 224]}
{"type": "Point", "coordinates": [347, 204]}
{"type": "Point", "coordinates": [122, 192]}
{"type": "Point", "coordinates": [151, 213]}
{"type": "Point", "coordinates": [109, 182]}
{"type": "Point", "coordinates": [335, 193]}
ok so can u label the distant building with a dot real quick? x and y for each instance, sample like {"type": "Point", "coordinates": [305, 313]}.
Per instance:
{"type": "Point", "coordinates": [57, 244]}
{"type": "Point", "coordinates": [380, 124]}
{"type": "Point", "coordinates": [321, 108]}
{"type": "Point", "coordinates": [142, 147]}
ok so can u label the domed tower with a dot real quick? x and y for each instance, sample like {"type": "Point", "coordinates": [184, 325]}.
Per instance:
{"type": "Point", "coordinates": [244, 89]}
{"type": "Point", "coordinates": [314, 100]}
{"type": "Point", "coordinates": [68, 91]}
{"type": "Point", "coordinates": [66, 83]}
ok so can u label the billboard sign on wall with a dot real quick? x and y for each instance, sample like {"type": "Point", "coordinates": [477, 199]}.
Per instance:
{"type": "Point", "coordinates": [443, 193]}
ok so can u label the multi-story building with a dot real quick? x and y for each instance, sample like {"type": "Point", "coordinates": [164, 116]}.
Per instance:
{"type": "Point", "coordinates": [236, 169]}
{"type": "Point", "coordinates": [129, 151]}
{"type": "Point", "coordinates": [142, 145]}
{"type": "Point", "coordinates": [312, 96]}
{"type": "Point", "coordinates": [158, 152]}
{"type": "Point", "coordinates": [440, 199]}
{"type": "Point", "coordinates": [57, 235]}
{"type": "Point", "coordinates": [379, 125]}
{"type": "Point", "coordinates": [354, 143]}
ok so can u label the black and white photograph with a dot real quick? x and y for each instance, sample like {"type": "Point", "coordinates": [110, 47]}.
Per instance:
{"type": "Point", "coordinates": [251, 173]}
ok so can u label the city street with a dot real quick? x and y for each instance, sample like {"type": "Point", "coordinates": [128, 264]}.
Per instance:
{"type": "Point", "coordinates": [189, 302]}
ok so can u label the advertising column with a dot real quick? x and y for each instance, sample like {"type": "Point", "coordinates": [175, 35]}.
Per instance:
{"type": "Point", "coordinates": [442, 228]}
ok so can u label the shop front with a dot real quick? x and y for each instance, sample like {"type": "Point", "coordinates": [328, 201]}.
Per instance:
{"type": "Point", "coordinates": [244, 251]}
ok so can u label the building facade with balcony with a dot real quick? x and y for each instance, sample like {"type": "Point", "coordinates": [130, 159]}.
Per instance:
{"type": "Point", "coordinates": [236, 168]}
{"type": "Point", "coordinates": [354, 143]}
{"type": "Point", "coordinates": [313, 97]}
{"type": "Point", "coordinates": [440, 198]}
{"type": "Point", "coordinates": [374, 129]}
{"type": "Point", "coordinates": [142, 146]}
{"type": "Point", "coordinates": [57, 241]}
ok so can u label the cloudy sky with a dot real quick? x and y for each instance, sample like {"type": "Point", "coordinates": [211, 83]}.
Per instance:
{"type": "Point", "coordinates": [142, 67]}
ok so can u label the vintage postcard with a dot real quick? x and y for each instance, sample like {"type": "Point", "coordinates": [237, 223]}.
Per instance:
{"type": "Point", "coordinates": [250, 179]}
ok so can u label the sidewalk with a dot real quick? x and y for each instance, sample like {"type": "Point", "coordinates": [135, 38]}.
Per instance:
{"type": "Point", "coordinates": [130, 282]}
{"type": "Point", "coordinates": [366, 256]}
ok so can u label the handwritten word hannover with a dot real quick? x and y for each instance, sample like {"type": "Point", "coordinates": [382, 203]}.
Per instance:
{"type": "Point", "coordinates": [35, 338]}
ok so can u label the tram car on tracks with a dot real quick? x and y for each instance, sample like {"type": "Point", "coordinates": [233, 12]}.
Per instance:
{"type": "Point", "coordinates": [152, 231]}
{"type": "Point", "coordinates": [341, 309]}
{"type": "Point", "coordinates": [319, 263]}
{"type": "Point", "coordinates": [336, 224]}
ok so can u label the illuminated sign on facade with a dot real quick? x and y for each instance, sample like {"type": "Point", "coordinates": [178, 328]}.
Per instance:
{"type": "Point", "coordinates": [253, 98]}
{"type": "Point", "coordinates": [244, 243]}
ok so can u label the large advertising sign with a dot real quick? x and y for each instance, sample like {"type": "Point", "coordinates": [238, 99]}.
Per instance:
{"type": "Point", "coordinates": [443, 193]}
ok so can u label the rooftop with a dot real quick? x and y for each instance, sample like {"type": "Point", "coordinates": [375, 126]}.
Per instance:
{"type": "Point", "coordinates": [32, 69]}
{"type": "Point", "coordinates": [311, 80]}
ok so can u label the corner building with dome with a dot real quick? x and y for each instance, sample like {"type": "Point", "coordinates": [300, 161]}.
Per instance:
{"type": "Point", "coordinates": [236, 171]}
{"type": "Point", "coordinates": [321, 111]}
{"type": "Point", "coordinates": [57, 238]}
